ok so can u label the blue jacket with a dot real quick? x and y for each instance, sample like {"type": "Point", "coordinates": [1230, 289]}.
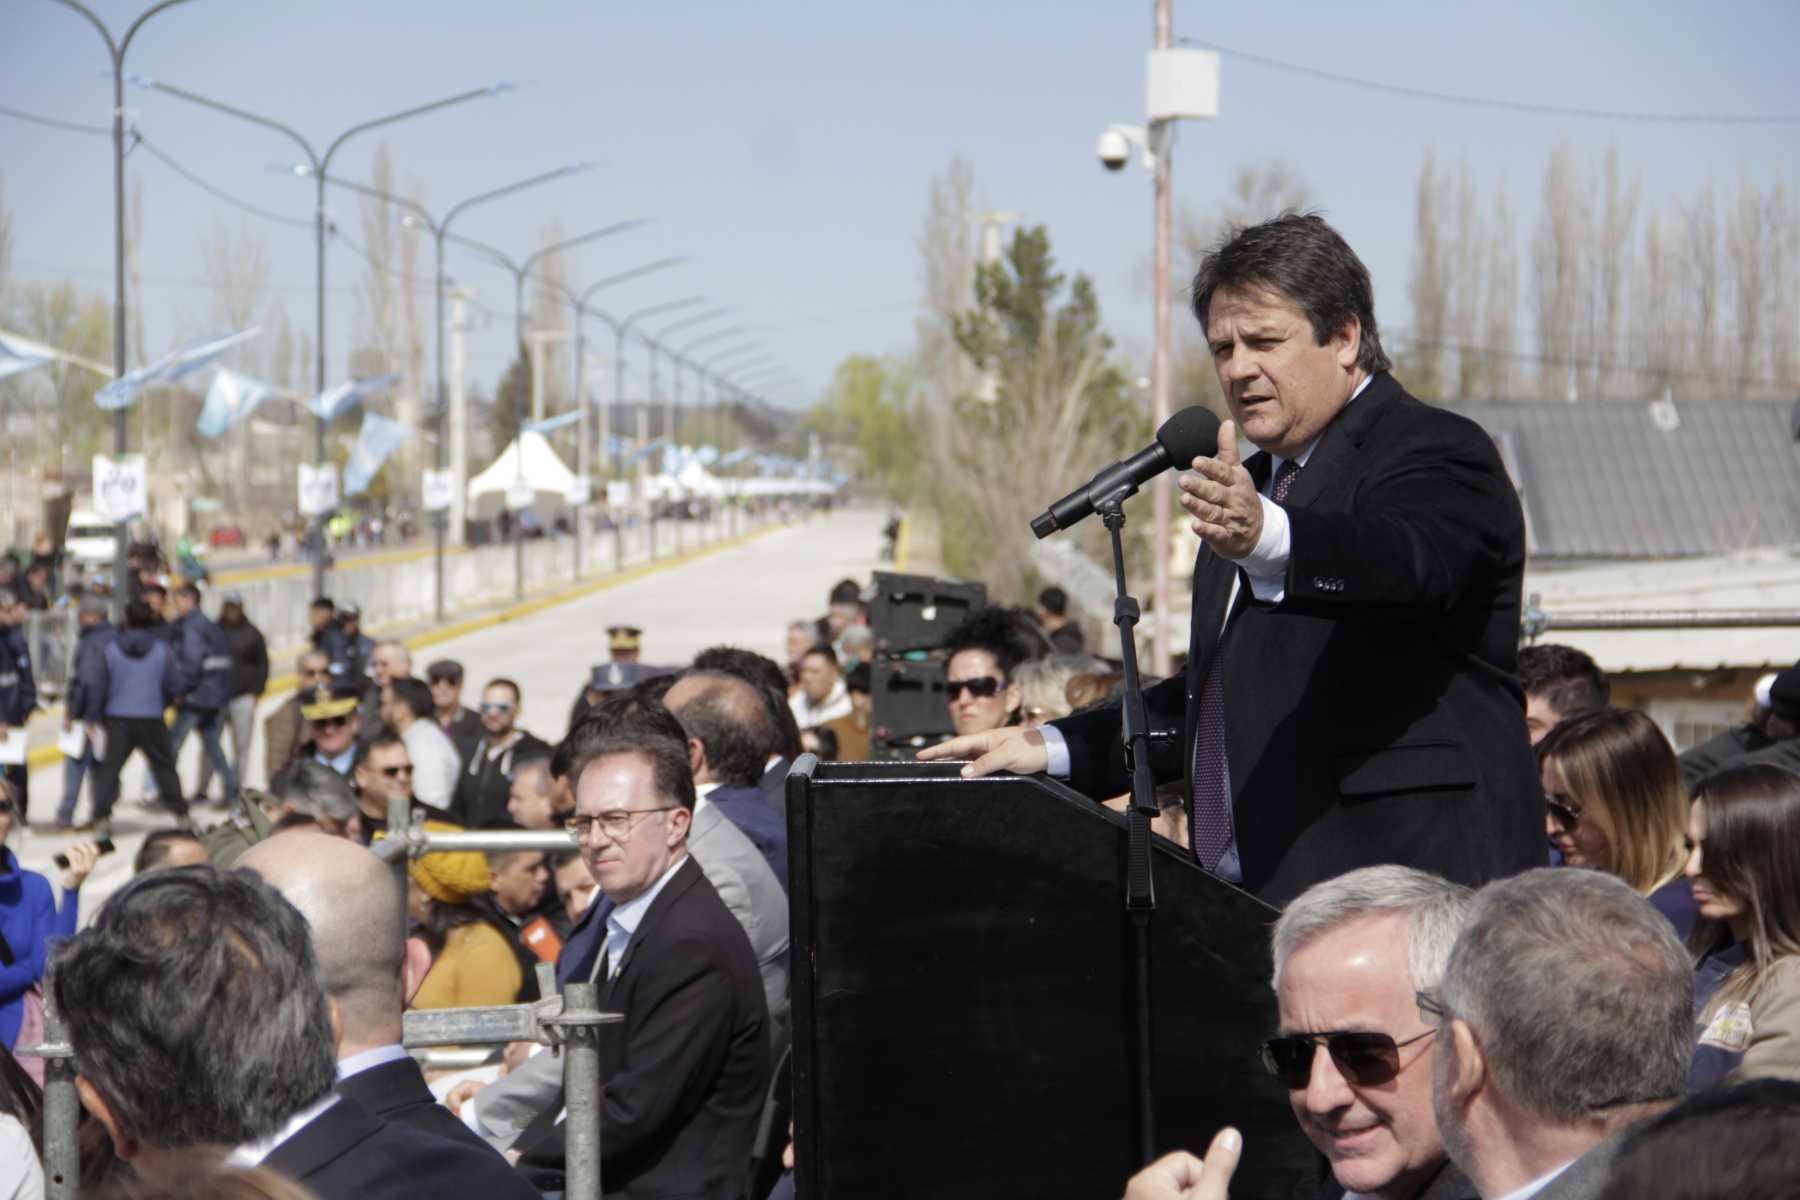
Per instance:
{"type": "Point", "coordinates": [28, 919]}
{"type": "Point", "coordinates": [140, 675]}
{"type": "Point", "coordinates": [766, 828]}
{"type": "Point", "coordinates": [203, 662]}
{"type": "Point", "coordinates": [87, 691]}
{"type": "Point", "coordinates": [18, 690]}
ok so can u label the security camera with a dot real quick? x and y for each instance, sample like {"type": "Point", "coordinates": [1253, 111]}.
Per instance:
{"type": "Point", "coordinates": [1114, 149]}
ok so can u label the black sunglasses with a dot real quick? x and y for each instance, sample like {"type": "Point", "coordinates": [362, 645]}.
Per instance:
{"type": "Point", "coordinates": [1365, 1059]}
{"type": "Point", "coordinates": [396, 772]}
{"type": "Point", "coordinates": [1567, 813]}
{"type": "Point", "coordinates": [6, 806]}
{"type": "Point", "coordinates": [981, 688]}
{"type": "Point", "coordinates": [331, 722]}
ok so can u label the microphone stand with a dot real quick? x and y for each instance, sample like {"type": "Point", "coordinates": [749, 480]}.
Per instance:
{"type": "Point", "coordinates": [1140, 888]}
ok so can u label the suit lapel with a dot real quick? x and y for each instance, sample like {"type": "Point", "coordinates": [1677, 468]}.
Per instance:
{"type": "Point", "coordinates": [683, 879]}
{"type": "Point", "coordinates": [1330, 466]}
{"type": "Point", "coordinates": [328, 1137]}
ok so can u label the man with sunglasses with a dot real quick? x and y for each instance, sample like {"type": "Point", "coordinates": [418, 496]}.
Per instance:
{"type": "Point", "coordinates": [1564, 1019]}
{"type": "Point", "coordinates": [284, 730]}
{"type": "Point", "coordinates": [486, 780]}
{"type": "Point", "coordinates": [332, 724]}
{"type": "Point", "coordinates": [383, 774]}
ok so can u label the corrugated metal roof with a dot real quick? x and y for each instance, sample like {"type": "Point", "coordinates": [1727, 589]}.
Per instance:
{"type": "Point", "coordinates": [1610, 479]}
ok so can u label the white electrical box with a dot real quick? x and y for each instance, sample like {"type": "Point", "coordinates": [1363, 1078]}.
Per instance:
{"type": "Point", "coordinates": [1181, 83]}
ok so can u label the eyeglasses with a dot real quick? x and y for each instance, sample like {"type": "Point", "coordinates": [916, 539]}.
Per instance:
{"type": "Point", "coordinates": [396, 772]}
{"type": "Point", "coordinates": [1364, 1059]}
{"type": "Point", "coordinates": [6, 807]}
{"type": "Point", "coordinates": [487, 707]}
{"type": "Point", "coordinates": [981, 688]}
{"type": "Point", "coordinates": [616, 825]}
{"type": "Point", "coordinates": [1566, 811]}
{"type": "Point", "coordinates": [332, 722]}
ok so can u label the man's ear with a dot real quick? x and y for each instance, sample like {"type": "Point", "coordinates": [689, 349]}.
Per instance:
{"type": "Point", "coordinates": [696, 756]}
{"type": "Point", "coordinates": [95, 1103]}
{"type": "Point", "coordinates": [337, 1021]}
{"type": "Point", "coordinates": [413, 967]}
{"type": "Point", "coordinates": [1347, 342]}
{"type": "Point", "coordinates": [1470, 1075]}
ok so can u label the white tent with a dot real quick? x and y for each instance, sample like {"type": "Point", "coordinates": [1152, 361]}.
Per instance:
{"type": "Point", "coordinates": [540, 468]}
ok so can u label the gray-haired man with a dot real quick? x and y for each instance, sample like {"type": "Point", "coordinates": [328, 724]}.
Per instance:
{"type": "Point", "coordinates": [1565, 1016]}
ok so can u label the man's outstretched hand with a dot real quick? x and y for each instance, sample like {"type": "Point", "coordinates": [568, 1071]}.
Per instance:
{"type": "Point", "coordinates": [1014, 749]}
{"type": "Point", "coordinates": [1181, 1176]}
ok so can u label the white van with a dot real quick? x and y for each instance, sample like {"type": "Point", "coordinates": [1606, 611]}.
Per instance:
{"type": "Point", "coordinates": [90, 541]}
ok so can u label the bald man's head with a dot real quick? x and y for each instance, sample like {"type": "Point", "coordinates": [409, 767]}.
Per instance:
{"type": "Point", "coordinates": [355, 908]}
{"type": "Point", "coordinates": [727, 716]}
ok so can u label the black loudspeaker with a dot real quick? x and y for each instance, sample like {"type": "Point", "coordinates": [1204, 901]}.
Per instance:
{"type": "Point", "coordinates": [908, 707]}
{"type": "Point", "coordinates": [917, 612]}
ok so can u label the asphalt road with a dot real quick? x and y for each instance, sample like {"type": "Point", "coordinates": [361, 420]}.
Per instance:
{"type": "Point", "coordinates": [743, 595]}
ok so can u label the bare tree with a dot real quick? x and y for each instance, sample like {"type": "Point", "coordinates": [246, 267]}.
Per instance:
{"type": "Point", "coordinates": [1606, 278]}
{"type": "Point", "coordinates": [1782, 259]}
{"type": "Point", "coordinates": [236, 265]}
{"type": "Point", "coordinates": [948, 254]}
{"type": "Point", "coordinates": [1657, 303]}
{"type": "Point", "coordinates": [1703, 284]}
{"type": "Point", "coordinates": [1558, 247]}
{"type": "Point", "coordinates": [1429, 288]}
{"type": "Point", "coordinates": [1747, 241]}
{"type": "Point", "coordinates": [1468, 255]}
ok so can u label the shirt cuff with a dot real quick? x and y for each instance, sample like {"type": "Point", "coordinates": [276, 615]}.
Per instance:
{"type": "Point", "coordinates": [1266, 565]}
{"type": "Point", "coordinates": [1056, 752]}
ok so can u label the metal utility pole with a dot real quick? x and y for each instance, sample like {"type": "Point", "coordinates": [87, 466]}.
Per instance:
{"type": "Point", "coordinates": [319, 167]}
{"type": "Point", "coordinates": [1161, 513]}
{"type": "Point", "coordinates": [620, 330]}
{"type": "Point", "coordinates": [116, 50]}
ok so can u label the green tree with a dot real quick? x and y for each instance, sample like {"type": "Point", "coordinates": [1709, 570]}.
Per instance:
{"type": "Point", "coordinates": [512, 400]}
{"type": "Point", "coordinates": [868, 411]}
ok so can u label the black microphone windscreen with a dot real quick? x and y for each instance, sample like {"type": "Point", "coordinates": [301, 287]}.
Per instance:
{"type": "Point", "coordinates": [1189, 434]}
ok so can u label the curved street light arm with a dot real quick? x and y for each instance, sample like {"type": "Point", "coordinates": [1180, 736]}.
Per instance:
{"type": "Point", "coordinates": [509, 189]}
{"type": "Point", "coordinates": [312, 156]}
{"type": "Point", "coordinates": [378, 194]}
{"type": "Point", "coordinates": [715, 313]}
{"type": "Point", "coordinates": [660, 264]}
{"type": "Point", "coordinates": [624, 327]}
{"type": "Point", "coordinates": [593, 235]}
{"type": "Point", "coordinates": [498, 255]}
{"type": "Point", "coordinates": [378, 122]}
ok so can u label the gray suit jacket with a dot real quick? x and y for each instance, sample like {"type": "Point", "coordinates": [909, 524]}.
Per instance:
{"type": "Point", "coordinates": [1586, 1177]}
{"type": "Point", "coordinates": [741, 875]}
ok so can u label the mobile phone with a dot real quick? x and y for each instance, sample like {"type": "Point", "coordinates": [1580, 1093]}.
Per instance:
{"type": "Point", "coordinates": [62, 860]}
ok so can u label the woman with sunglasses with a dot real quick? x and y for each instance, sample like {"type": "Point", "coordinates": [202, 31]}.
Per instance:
{"type": "Point", "coordinates": [979, 684]}
{"type": "Point", "coordinates": [1744, 870]}
{"type": "Point", "coordinates": [29, 918]}
{"type": "Point", "coordinates": [1614, 802]}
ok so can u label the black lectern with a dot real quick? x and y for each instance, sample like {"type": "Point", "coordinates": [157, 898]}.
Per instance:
{"type": "Point", "coordinates": [963, 996]}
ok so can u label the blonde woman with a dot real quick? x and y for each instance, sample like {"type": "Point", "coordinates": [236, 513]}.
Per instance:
{"type": "Point", "coordinates": [1614, 801]}
{"type": "Point", "coordinates": [1744, 870]}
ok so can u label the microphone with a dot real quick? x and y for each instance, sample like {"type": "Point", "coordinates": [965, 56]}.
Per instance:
{"type": "Point", "coordinates": [1189, 434]}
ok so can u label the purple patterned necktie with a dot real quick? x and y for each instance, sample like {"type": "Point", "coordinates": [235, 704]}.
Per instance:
{"type": "Point", "coordinates": [1211, 830]}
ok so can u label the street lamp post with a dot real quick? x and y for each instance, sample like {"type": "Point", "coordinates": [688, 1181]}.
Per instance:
{"type": "Point", "coordinates": [319, 168]}
{"type": "Point", "coordinates": [116, 50]}
{"type": "Point", "coordinates": [439, 231]}
{"type": "Point", "coordinates": [678, 359]}
{"type": "Point", "coordinates": [521, 269]}
{"type": "Point", "coordinates": [620, 329]}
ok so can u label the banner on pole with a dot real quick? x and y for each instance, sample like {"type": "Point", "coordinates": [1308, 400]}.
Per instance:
{"type": "Point", "coordinates": [438, 491]}
{"type": "Point", "coordinates": [121, 487]}
{"type": "Point", "coordinates": [519, 494]}
{"type": "Point", "coordinates": [618, 493]}
{"type": "Point", "coordinates": [318, 488]}
{"type": "Point", "coordinates": [581, 491]}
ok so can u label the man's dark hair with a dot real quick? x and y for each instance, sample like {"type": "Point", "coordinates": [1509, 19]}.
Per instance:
{"type": "Point", "coordinates": [500, 681]}
{"type": "Point", "coordinates": [629, 725]}
{"type": "Point", "coordinates": [158, 845]}
{"type": "Point", "coordinates": [1567, 679]}
{"type": "Point", "coordinates": [997, 630]}
{"type": "Point", "coordinates": [153, 588]}
{"type": "Point", "coordinates": [655, 688]}
{"type": "Point", "coordinates": [1735, 1143]}
{"type": "Point", "coordinates": [821, 650]}
{"type": "Point", "coordinates": [828, 742]}
{"type": "Point", "coordinates": [383, 735]}
{"type": "Point", "coordinates": [846, 591]}
{"type": "Point", "coordinates": [195, 1009]}
{"type": "Point", "coordinates": [727, 717]}
{"type": "Point", "coordinates": [191, 591]}
{"type": "Point", "coordinates": [1307, 262]}
{"type": "Point", "coordinates": [856, 679]}
{"type": "Point", "coordinates": [139, 615]}
{"type": "Point", "coordinates": [445, 670]}
{"type": "Point", "coordinates": [768, 677]}
{"type": "Point", "coordinates": [323, 602]}
{"type": "Point", "coordinates": [1054, 601]}
{"type": "Point", "coordinates": [414, 693]}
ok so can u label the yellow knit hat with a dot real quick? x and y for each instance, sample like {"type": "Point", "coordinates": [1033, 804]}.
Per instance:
{"type": "Point", "coordinates": [450, 876]}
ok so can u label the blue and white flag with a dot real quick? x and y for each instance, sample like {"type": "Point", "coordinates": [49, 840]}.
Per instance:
{"type": "Point", "coordinates": [551, 424]}
{"type": "Point", "coordinates": [706, 456]}
{"type": "Point", "coordinates": [332, 401]}
{"type": "Point", "coordinates": [735, 457]}
{"type": "Point", "coordinates": [17, 354]}
{"type": "Point", "coordinates": [645, 451]}
{"type": "Point", "coordinates": [183, 360]}
{"type": "Point", "coordinates": [231, 398]}
{"type": "Point", "coordinates": [379, 438]}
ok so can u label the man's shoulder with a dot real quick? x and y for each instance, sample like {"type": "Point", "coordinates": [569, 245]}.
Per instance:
{"type": "Point", "coordinates": [1401, 416]}
{"type": "Point", "coordinates": [348, 1152]}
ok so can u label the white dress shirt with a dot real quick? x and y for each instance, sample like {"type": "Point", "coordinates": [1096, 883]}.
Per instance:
{"type": "Point", "coordinates": [623, 920]}
{"type": "Point", "coordinates": [365, 1060]}
{"type": "Point", "coordinates": [1537, 1185]}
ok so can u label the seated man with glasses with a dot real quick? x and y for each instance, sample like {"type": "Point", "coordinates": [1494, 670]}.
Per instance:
{"type": "Point", "coordinates": [1350, 956]}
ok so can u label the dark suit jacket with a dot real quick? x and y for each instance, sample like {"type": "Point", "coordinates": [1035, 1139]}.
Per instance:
{"type": "Point", "coordinates": [766, 827]}
{"type": "Point", "coordinates": [395, 1092]}
{"type": "Point", "coordinates": [1374, 715]}
{"type": "Point", "coordinates": [1448, 1184]}
{"type": "Point", "coordinates": [774, 787]}
{"type": "Point", "coordinates": [346, 1154]}
{"type": "Point", "coordinates": [683, 1075]}
{"type": "Point", "coordinates": [1586, 1177]}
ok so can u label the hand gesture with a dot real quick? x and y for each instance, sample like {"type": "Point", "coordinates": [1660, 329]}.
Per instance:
{"type": "Point", "coordinates": [1013, 748]}
{"type": "Point", "coordinates": [1222, 499]}
{"type": "Point", "coordinates": [461, 1094]}
{"type": "Point", "coordinates": [82, 856]}
{"type": "Point", "coordinates": [1181, 1176]}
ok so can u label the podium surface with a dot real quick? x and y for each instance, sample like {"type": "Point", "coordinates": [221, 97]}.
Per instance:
{"type": "Point", "coordinates": [965, 1005]}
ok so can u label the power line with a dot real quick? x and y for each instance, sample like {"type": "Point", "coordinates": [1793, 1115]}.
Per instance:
{"type": "Point", "coordinates": [55, 123]}
{"type": "Point", "coordinates": [217, 193]}
{"type": "Point", "coordinates": [1518, 106]}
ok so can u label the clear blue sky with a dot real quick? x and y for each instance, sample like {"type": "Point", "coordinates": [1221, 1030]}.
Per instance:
{"type": "Point", "coordinates": [787, 146]}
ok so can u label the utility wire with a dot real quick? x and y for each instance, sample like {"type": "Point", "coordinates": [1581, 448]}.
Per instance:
{"type": "Point", "coordinates": [55, 123]}
{"type": "Point", "coordinates": [217, 193]}
{"type": "Point", "coordinates": [1519, 106]}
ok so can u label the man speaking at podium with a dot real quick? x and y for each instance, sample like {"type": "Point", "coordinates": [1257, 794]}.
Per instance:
{"type": "Point", "coordinates": [1350, 695]}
